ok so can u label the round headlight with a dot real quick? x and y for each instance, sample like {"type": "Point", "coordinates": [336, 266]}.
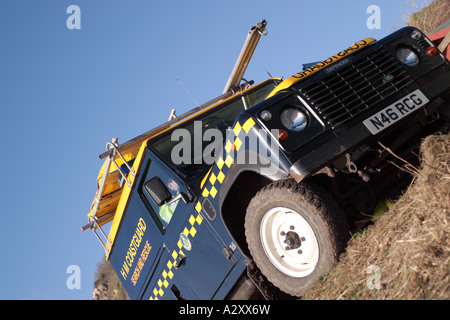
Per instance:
{"type": "Point", "coordinates": [293, 119]}
{"type": "Point", "coordinates": [416, 35]}
{"type": "Point", "coordinates": [408, 57]}
{"type": "Point", "coordinates": [266, 115]}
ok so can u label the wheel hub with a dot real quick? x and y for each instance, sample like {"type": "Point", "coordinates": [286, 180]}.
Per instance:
{"type": "Point", "coordinates": [293, 240]}
{"type": "Point", "coordinates": [283, 233]}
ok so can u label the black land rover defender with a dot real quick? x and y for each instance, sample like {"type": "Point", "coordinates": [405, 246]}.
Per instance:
{"type": "Point", "coordinates": [267, 206]}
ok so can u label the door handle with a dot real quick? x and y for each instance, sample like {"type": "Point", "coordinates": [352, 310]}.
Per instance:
{"type": "Point", "coordinates": [180, 260]}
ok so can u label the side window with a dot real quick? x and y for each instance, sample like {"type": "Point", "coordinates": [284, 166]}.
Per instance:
{"type": "Point", "coordinates": [162, 214]}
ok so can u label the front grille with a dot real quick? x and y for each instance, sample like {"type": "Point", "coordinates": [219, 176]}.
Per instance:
{"type": "Point", "coordinates": [357, 87]}
{"type": "Point", "coordinates": [424, 44]}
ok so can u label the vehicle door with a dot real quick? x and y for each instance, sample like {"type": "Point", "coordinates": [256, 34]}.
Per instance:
{"type": "Point", "coordinates": [138, 249]}
{"type": "Point", "coordinates": [195, 251]}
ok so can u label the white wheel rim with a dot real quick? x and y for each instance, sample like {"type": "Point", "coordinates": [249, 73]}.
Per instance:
{"type": "Point", "coordinates": [289, 242]}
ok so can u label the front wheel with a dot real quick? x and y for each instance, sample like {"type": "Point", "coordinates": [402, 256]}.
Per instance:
{"type": "Point", "coordinates": [295, 233]}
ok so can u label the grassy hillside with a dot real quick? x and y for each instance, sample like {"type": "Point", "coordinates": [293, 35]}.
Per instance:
{"type": "Point", "coordinates": [406, 253]}
{"type": "Point", "coordinates": [431, 16]}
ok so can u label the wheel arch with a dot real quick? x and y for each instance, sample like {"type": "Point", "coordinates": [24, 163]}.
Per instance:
{"type": "Point", "coordinates": [235, 202]}
{"type": "Point", "coordinates": [242, 181]}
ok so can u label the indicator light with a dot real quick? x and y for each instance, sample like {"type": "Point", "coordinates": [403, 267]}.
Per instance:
{"type": "Point", "coordinates": [282, 135]}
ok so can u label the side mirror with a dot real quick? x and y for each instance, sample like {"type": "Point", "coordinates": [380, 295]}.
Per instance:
{"type": "Point", "coordinates": [157, 191]}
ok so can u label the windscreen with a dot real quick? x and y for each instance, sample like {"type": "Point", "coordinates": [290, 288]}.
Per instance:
{"type": "Point", "coordinates": [190, 146]}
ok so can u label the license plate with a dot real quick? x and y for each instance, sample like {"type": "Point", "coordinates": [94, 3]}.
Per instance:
{"type": "Point", "coordinates": [396, 111]}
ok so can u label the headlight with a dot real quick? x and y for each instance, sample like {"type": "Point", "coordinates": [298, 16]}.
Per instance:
{"type": "Point", "coordinates": [266, 115]}
{"type": "Point", "coordinates": [293, 119]}
{"type": "Point", "coordinates": [408, 57]}
{"type": "Point", "coordinates": [416, 35]}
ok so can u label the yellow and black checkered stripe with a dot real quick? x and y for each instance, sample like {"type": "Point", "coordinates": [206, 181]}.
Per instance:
{"type": "Point", "coordinates": [211, 185]}
{"type": "Point", "coordinates": [232, 147]}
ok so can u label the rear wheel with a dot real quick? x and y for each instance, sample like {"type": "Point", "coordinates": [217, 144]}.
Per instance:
{"type": "Point", "coordinates": [295, 233]}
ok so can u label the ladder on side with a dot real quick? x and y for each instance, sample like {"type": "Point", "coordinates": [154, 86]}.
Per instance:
{"type": "Point", "coordinates": [96, 218]}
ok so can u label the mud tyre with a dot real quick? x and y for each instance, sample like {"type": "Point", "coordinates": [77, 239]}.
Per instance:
{"type": "Point", "coordinates": [295, 233]}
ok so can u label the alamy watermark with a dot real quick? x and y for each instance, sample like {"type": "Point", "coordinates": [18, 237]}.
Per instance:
{"type": "Point", "coordinates": [74, 280]}
{"type": "Point", "coordinates": [74, 20]}
{"type": "Point", "coordinates": [374, 20]}
{"type": "Point", "coordinates": [207, 146]}
{"type": "Point", "coordinates": [374, 280]}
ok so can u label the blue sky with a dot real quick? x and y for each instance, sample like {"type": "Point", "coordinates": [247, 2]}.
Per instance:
{"type": "Point", "coordinates": [65, 93]}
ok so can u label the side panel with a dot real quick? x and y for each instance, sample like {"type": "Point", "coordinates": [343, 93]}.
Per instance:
{"type": "Point", "coordinates": [194, 263]}
{"type": "Point", "coordinates": [206, 265]}
{"type": "Point", "coordinates": [167, 284]}
{"type": "Point", "coordinates": [137, 250]}
{"type": "Point", "coordinates": [199, 251]}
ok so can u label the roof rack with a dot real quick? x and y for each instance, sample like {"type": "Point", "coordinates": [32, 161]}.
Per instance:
{"type": "Point", "coordinates": [135, 143]}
